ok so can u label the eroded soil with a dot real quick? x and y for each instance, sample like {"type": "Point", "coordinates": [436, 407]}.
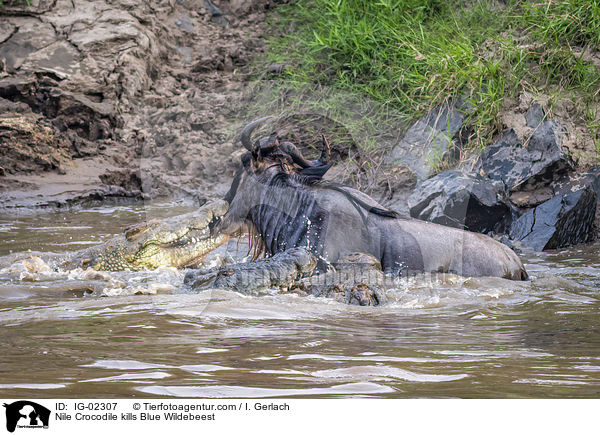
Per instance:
{"type": "Point", "coordinates": [120, 98]}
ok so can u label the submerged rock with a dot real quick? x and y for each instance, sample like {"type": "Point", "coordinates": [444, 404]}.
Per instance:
{"type": "Point", "coordinates": [461, 200]}
{"type": "Point", "coordinates": [562, 221]}
{"type": "Point", "coordinates": [530, 167]}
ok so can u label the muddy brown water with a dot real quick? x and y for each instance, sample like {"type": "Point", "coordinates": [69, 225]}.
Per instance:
{"type": "Point", "coordinates": [68, 334]}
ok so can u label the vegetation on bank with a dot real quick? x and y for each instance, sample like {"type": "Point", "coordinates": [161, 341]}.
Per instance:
{"type": "Point", "coordinates": [411, 55]}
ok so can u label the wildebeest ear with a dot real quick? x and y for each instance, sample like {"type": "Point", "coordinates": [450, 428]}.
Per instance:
{"type": "Point", "coordinates": [269, 144]}
{"type": "Point", "coordinates": [316, 171]}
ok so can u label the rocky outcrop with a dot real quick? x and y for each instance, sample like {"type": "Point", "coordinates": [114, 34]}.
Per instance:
{"type": "Point", "coordinates": [461, 200]}
{"type": "Point", "coordinates": [561, 221]}
{"type": "Point", "coordinates": [431, 140]}
{"type": "Point", "coordinates": [72, 70]}
{"type": "Point", "coordinates": [528, 167]}
{"type": "Point", "coordinates": [526, 189]}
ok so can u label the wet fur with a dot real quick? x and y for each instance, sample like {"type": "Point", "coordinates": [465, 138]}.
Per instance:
{"type": "Point", "coordinates": [286, 208]}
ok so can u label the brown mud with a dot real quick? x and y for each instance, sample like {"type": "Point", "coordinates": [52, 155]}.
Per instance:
{"type": "Point", "coordinates": [103, 99]}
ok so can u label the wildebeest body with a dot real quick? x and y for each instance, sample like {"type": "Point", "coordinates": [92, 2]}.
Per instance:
{"type": "Point", "coordinates": [288, 208]}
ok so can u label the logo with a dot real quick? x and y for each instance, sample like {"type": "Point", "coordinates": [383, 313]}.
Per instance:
{"type": "Point", "coordinates": [26, 414]}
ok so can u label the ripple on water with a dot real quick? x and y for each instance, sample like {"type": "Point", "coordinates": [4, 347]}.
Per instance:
{"type": "Point", "coordinates": [132, 377]}
{"type": "Point", "coordinates": [125, 365]}
{"type": "Point", "coordinates": [138, 365]}
{"type": "Point", "coordinates": [32, 386]}
{"type": "Point", "coordinates": [210, 350]}
{"type": "Point", "coordinates": [382, 373]}
{"type": "Point", "coordinates": [439, 336]}
{"type": "Point", "coordinates": [226, 391]}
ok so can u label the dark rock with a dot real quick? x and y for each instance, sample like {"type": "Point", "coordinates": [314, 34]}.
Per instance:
{"type": "Point", "coordinates": [527, 168]}
{"type": "Point", "coordinates": [534, 116]}
{"type": "Point", "coordinates": [396, 179]}
{"type": "Point", "coordinates": [216, 14]}
{"type": "Point", "coordinates": [578, 181]}
{"type": "Point", "coordinates": [19, 88]}
{"type": "Point", "coordinates": [461, 200]}
{"type": "Point", "coordinates": [528, 199]}
{"type": "Point", "coordinates": [393, 187]}
{"type": "Point", "coordinates": [185, 23]}
{"type": "Point", "coordinates": [430, 140]}
{"type": "Point", "coordinates": [14, 106]}
{"type": "Point", "coordinates": [212, 9]}
{"type": "Point", "coordinates": [562, 221]}
{"type": "Point", "coordinates": [564, 184]}
{"type": "Point", "coordinates": [574, 182]}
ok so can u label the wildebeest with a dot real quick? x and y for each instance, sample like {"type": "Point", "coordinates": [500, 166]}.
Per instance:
{"type": "Point", "coordinates": [282, 198]}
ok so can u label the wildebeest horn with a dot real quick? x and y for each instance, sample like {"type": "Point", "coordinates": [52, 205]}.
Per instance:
{"type": "Point", "coordinates": [319, 167]}
{"type": "Point", "coordinates": [247, 132]}
{"type": "Point", "coordinates": [325, 153]}
{"type": "Point", "coordinates": [295, 154]}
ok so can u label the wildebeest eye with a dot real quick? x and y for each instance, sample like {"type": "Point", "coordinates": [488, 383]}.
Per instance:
{"type": "Point", "coordinates": [246, 159]}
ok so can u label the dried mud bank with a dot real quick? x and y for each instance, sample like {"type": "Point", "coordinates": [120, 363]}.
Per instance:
{"type": "Point", "coordinates": [121, 99]}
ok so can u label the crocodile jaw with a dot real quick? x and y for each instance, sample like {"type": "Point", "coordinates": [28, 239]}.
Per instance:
{"type": "Point", "coordinates": [176, 242]}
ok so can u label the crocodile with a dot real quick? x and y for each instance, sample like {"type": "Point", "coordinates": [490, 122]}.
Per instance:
{"type": "Point", "coordinates": [356, 279]}
{"type": "Point", "coordinates": [180, 241]}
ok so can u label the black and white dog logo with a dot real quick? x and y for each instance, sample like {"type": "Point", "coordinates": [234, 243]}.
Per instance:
{"type": "Point", "coordinates": [26, 414]}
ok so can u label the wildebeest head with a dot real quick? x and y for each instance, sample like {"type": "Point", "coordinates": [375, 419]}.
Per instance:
{"type": "Point", "coordinates": [266, 160]}
{"type": "Point", "coordinates": [267, 151]}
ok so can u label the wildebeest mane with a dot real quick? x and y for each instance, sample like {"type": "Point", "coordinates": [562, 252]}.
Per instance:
{"type": "Point", "coordinates": [284, 179]}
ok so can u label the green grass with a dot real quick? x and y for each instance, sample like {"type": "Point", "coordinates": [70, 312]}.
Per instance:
{"type": "Point", "coordinates": [28, 2]}
{"type": "Point", "coordinates": [411, 55]}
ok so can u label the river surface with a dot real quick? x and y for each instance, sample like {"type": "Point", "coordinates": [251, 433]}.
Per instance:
{"type": "Point", "coordinates": [141, 334]}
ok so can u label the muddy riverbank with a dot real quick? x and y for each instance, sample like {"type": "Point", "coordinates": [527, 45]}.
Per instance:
{"type": "Point", "coordinates": [121, 100]}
